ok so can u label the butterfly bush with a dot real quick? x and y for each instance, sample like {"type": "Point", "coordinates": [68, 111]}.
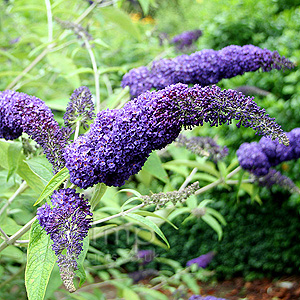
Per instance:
{"type": "Point", "coordinates": [67, 222]}
{"type": "Point", "coordinates": [202, 261]}
{"type": "Point", "coordinates": [23, 113]}
{"type": "Point", "coordinates": [258, 158]}
{"type": "Point", "coordinates": [120, 140]}
{"type": "Point", "coordinates": [204, 67]}
{"type": "Point", "coordinates": [80, 108]}
{"type": "Point", "coordinates": [198, 297]}
{"type": "Point", "coordinates": [203, 146]}
{"type": "Point", "coordinates": [186, 39]}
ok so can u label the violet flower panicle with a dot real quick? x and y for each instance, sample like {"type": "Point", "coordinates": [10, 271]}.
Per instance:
{"type": "Point", "coordinates": [202, 261]}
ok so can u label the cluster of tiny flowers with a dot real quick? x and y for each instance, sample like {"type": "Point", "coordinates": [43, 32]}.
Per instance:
{"type": "Point", "coordinates": [258, 158]}
{"type": "Point", "coordinates": [120, 140]}
{"type": "Point", "coordinates": [275, 177]}
{"type": "Point", "coordinates": [145, 256]}
{"type": "Point", "coordinates": [22, 113]}
{"type": "Point", "coordinates": [80, 32]}
{"type": "Point", "coordinates": [186, 39]}
{"type": "Point", "coordinates": [203, 146]}
{"type": "Point", "coordinates": [161, 199]}
{"type": "Point", "coordinates": [67, 222]}
{"type": "Point", "coordinates": [202, 261]}
{"type": "Point", "coordinates": [80, 108]}
{"type": "Point", "coordinates": [205, 67]}
{"type": "Point", "coordinates": [198, 297]}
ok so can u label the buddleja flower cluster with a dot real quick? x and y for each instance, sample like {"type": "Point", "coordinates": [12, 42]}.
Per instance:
{"type": "Point", "coordinates": [205, 67]}
{"type": "Point", "coordinates": [202, 261]}
{"type": "Point", "coordinates": [258, 158]}
{"type": "Point", "coordinates": [198, 297]}
{"type": "Point", "coordinates": [80, 108]}
{"type": "Point", "coordinates": [203, 146]}
{"type": "Point", "coordinates": [186, 39]}
{"type": "Point", "coordinates": [161, 199]}
{"type": "Point", "coordinates": [67, 222]}
{"type": "Point", "coordinates": [120, 140]}
{"type": "Point", "coordinates": [22, 113]}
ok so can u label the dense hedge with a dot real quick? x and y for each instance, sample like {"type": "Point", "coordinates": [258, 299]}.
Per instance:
{"type": "Point", "coordinates": [258, 241]}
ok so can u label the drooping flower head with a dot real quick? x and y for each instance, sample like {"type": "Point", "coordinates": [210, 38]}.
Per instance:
{"type": "Point", "coordinates": [120, 140]}
{"type": "Point", "coordinates": [205, 67]}
{"type": "Point", "coordinates": [198, 297]}
{"type": "Point", "coordinates": [67, 222]}
{"type": "Point", "coordinates": [203, 146]}
{"type": "Point", "coordinates": [202, 261]}
{"type": "Point", "coordinates": [185, 39]}
{"type": "Point", "coordinates": [258, 158]}
{"type": "Point", "coordinates": [80, 108]}
{"type": "Point", "coordinates": [23, 113]}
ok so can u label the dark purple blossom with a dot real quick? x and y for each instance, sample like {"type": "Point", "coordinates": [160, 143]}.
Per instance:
{"type": "Point", "coordinates": [205, 67]}
{"type": "Point", "coordinates": [120, 140]}
{"type": "Point", "coordinates": [80, 108]}
{"type": "Point", "coordinates": [186, 39]}
{"type": "Point", "coordinates": [198, 297]}
{"type": "Point", "coordinates": [22, 113]}
{"type": "Point", "coordinates": [258, 158]}
{"type": "Point", "coordinates": [202, 261]}
{"type": "Point", "coordinates": [203, 146]}
{"type": "Point", "coordinates": [146, 256]}
{"type": "Point", "coordinates": [275, 177]}
{"type": "Point", "coordinates": [67, 222]}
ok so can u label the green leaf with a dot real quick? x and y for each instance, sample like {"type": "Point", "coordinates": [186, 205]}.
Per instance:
{"type": "Point", "coordinates": [80, 272]}
{"type": "Point", "coordinates": [14, 153]}
{"type": "Point", "coordinates": [216, 214]}
{"type": "Point", "coordinates": [41, 167]}
{"type": "Point", "coordinates": [154, 166]}
{"type": "Point", "coordinates": [151, 214]}
{"type": "Point", "coordinates": [155, 294]}
{"type": "Point", "coordinates": [40, 262]}
{"type": "Point", "coordinates": [222, 168]}
{"type": "Point", "coordinates": [53, 184]}
{"type": "Point", "coordinates": [122, 19]}
{"type": "Point", "coordinates": [4, 153]}
{"type": "Point", "coordinates": [177, 212]}
{"type": "Point", "coordinates": [129, 294]}
{"type": "Point", "coordinates": [148, 236]}
{"type": "Point", "coordinates": [191, 282]}
{"type": "Point", "coordinates": [65, 67]}
{"type": "Point", "coordinates": [31, 178]}
{"type": "Point", "coordinates": [204, 202]}
{"type": "Point", "coordinates": [98, 193]}
{"type": "Point", "coordinates": [250, 189]}
{"type": "Point", "coordinates": [145, 4]}
{"type": "Point", "coordinates": [149, 224]}
{"type": "Point", "coordinates": [172, 263]}
{"type": "Point", "coordinates": [213, 223]}
{"type": "Point", "coordinates": [14, 254]}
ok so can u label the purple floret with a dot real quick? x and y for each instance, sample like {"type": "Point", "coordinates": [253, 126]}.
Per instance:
{"type": "Point", "coordinates": [120, 140]}
{"type": "Point", "coordinates": [80, 108]}
{"type": "Point", "coordinates": [204, 67]}
{"type": "Point", "coordinates": [22, 113]}
{"type": "Point", "coordinates": [198, 297]}
{"type": "Point", "coordinates": [146, 256]}
{"type": "Point", "coordinates": [67, 222]}
{"type": "Point", "coordinates": [186, 39]}
{"type": "Point", "coordinates": [258, 158]}
{"type": "Point", "coordinates": [202, 261]}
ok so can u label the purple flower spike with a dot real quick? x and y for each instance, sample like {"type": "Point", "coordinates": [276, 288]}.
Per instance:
{"type": "Point", "coordinates": [198, 297]}
{"type": "Point", "coordinates": [146, 256]}
{"type": "Point", "coordinates": [258, 158]}
{"type": "Point", "coordinates": [80, 108]}
{"type": "Point", "coordinates": [22, 113]}
{"type": "Point", "coordinates": [202, 261]}
{"type": "Point", "coordinates": [120, 140]}
{"type": "Point", "coordinates": [205, 67]}
{"type": "Point", "coordinates": [67, 222]}
{"type": "Point", "coordinates": [186, 39]}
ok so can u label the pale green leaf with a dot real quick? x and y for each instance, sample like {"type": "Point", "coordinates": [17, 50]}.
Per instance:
{"type": "Point", "coordinates": [98, 193]}
{"type": "Point", "coordinates": [216, 214]}
{"type": "Point", "coordinates": [153, 293]}
{"type": "Point", "coordinates": [129, 294]}
{"type": "Point", "coordinates": [80, 272]}
{"type": "Point", "coordinates": [214, 224]}
{"type": "Point", "coordinates": [149, 224]}
{"type": "Point", "coordinates": [40, 166]}
{"type": "Point", "coordinates": [154, 166]}
{"type": "Point", "coordinates": [53, 184]}
{"type": "Point", "coordinates": [40, 262]}
{"type": "Point", "coordinates": [14, 153]}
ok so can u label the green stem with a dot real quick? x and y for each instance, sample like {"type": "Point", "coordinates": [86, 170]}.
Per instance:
{"type": "Point", "coordinates": [50, 21]}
